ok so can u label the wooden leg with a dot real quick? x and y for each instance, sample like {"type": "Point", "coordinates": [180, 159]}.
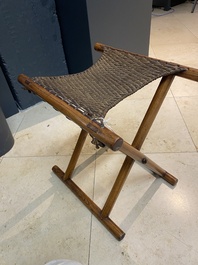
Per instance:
{"type": "Point", "coordinates": [76, 154]}
{"type": "Point", "coordinates": [94, 209]}
{"type": "Point", "coordinates": [141, 134]}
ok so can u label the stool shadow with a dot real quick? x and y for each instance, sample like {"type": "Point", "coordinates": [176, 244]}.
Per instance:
{"type": "Point", "coordinates": [27, 210]}
{"type": "Point", "coordinates": [141, 204]}
{"type": "Point", "coordinates": [9, 224]}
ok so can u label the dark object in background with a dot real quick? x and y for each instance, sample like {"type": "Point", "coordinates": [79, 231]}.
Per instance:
{"type": "Point", "coordinates": [74, 26]}
{"type": "Point", "coordinates": [167, 4]}
{"type": "Point", "coordinates": [7, 102]}
{"type": "Point", "coordinates": [6, 138]}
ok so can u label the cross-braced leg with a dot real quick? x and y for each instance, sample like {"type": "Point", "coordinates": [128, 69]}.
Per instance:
{"type": "Point", "coordinates": [137, 144]}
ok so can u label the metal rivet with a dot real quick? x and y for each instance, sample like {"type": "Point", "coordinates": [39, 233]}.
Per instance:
{"type": "Point", "coordinates": [144, 160]}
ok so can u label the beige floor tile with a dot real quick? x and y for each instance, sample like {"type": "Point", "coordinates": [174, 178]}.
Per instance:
{"type": "Point", "coordinates": [107, 168]}
{"type": "Point", "coordinates": [15, 121]}
{"type": "Point", "coordinates": [38, 113]}
{"type": "Point", "coordinates": [164, 33]}
{"type": "Point", "coordinates": [176, 210]}
{"type": "Point", "coordinates": [185, 54]}
{"type": "Point", "coordinates": [184, 88]}
{"type": "Point", "coordinates": [168, 133]}
{"type": "Point", "coordinates": [41, 220]}
{"type": "Point", "coordinates": [189, 109]}
{"type": "Point", "coordinates": [160, 221]}
{"type": "Point", "coordinates": [45, 132]}
{"type": "Point", "coordinates": [51, 137]}
{"type": "Point", "coordinates": [189, 20]}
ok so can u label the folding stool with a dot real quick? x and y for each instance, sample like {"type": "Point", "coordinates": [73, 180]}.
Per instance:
{"type": "Point", "coordinates": [86, 97]}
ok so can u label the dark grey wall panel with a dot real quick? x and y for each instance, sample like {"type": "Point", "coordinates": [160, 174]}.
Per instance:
{"type": "Point", "coordinates": [6, 138]}
{"type": "Point", "coordinates": [72, 15]}
{"type": "Point", "coordinates": [122, 23]}
{"type": "Point", "coordinates": [30, 43]}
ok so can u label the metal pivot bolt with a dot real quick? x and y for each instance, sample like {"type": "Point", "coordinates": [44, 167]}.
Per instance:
{"type": "Point", "coordinates": [144, 160]}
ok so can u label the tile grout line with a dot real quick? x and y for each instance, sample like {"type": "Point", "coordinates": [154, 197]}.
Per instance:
{"type": "Point", "coordinates": [90, 237]}
{"type": "Point", "coordinates": [175, 99]}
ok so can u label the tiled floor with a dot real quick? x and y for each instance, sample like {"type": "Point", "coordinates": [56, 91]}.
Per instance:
{"type": "Point", "coordinates": [41, 220]}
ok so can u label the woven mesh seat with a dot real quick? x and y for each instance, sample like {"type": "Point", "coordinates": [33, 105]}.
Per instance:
{"type": "Point", "coordinates": [86, 97]}
{"type": "Point", "coordinates": [116, 75]}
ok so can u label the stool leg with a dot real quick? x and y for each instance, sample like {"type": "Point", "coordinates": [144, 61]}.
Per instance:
{"type": "Point", "coordinates": [143, 130]}
{"type": "Point", "coordinates": [89, 203]}
{"type": "Point", "coordinates": [75, 155]}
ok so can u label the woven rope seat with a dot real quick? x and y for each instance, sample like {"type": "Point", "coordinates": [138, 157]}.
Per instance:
{"type": "Point", "coordinates": [115, 76]}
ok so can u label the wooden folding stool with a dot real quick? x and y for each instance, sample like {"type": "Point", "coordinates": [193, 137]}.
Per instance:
{"type": "Point", "coordinates": [85, 98]}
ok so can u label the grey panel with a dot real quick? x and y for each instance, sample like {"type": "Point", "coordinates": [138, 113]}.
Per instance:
{"type": "Point", "coordinates": [123, 23]}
